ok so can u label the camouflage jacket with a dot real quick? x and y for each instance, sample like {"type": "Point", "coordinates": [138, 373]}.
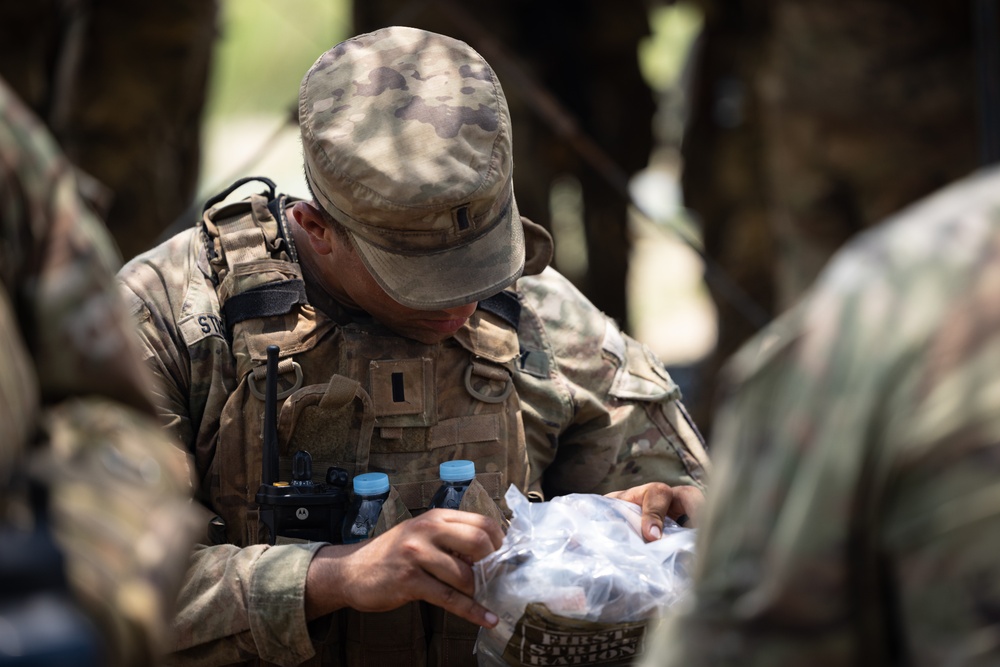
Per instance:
{"type": "Point", "coordinates": [599, 412]}
{"type": "Point", "coordinates": [76, 409]}
{"type": "Point", "coordinates": [854, 517]}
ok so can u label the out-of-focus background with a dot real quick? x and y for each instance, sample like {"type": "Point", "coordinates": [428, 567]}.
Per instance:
{"type": "Point", "coordinates": [696, 161]}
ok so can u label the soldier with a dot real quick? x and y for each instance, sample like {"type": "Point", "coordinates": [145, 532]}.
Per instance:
{"type": "Point", "coordinates": [417, 323]}
{"type": "Point", "coordinates": [77, 418]}
{"type": "Point", "coordinates": [855, 510]}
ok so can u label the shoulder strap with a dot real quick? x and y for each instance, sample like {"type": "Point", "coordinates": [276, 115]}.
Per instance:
{"type": "Point", "coordinates": [258, 278]}
{"type": "Point", "coordinates": [253, 258]}
{"type": "Point", "coordinates": [504, 305]}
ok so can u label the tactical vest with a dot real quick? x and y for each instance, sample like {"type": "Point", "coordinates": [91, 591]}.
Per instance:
{"type": "Point", "coordinates": [356, 396]}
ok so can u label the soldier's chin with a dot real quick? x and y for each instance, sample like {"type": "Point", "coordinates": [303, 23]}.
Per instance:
{"type": "Point", "coordinates": [425, 335]}
{"type": "Point", "coordinates": [445, 328]}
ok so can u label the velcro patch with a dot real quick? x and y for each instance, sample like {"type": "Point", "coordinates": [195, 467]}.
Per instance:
{"type": "Point", "coordinates": [200, 326]}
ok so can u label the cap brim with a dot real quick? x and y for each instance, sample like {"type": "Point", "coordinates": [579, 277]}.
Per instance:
{"type": "Point", "coordinates": [453, 277]}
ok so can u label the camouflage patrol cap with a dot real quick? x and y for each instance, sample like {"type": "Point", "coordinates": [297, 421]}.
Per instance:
{"type": "Point", "coordinates": [407, 143]}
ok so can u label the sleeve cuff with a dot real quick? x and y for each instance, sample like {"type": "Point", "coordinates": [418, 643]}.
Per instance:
{"type": "Point", "coordinates": [277, 603]}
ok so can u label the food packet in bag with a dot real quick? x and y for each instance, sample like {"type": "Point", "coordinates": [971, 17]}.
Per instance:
{"type": "Point", "coordinates": [575, 583]}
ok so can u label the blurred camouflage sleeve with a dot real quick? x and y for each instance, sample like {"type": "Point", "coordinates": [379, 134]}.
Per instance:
{"type": "Point", "coordinates": [120, 504]}
{"type": "Point", "coordinates": [601, 413]}
{"type": "Point", "coordinates": [854, 516]}
{"type": "Point", "coordinates": [120, 492]}
{"type": "Point", "coordinates": [60, 263]}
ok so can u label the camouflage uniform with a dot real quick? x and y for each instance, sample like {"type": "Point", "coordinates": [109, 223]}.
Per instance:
{"type": "Point", "coordinates": [855, 513]}
{"type": "Point", "coordinates": [75, 402]}
{"type": "Point", "coordinates": [595, 411]}
{"type": "Point", "coordinates": [590, 425]}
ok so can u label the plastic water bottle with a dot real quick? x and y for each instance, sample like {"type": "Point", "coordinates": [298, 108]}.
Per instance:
{"type": "Point", "coordinates": [370, 491]}
{"type": "Point", "coordinates": [455, 479]}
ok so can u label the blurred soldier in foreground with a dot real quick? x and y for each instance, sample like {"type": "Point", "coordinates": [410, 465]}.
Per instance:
{"type": "Point", "coordinates": [855, 513]}
{"type": "Point", "coordinates": [418, 323]}
{"type": "Point", "coordinates": [75, 408]}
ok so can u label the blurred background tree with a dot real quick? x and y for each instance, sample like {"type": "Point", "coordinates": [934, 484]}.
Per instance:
{"type": "Point", "coordinates": [122, 86]}
{"type": "Point", "coordinates": [810, 122]}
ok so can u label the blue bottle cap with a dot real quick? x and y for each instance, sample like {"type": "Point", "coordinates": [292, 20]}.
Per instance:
{"type": "Point", "coordinates": [457, 471]}
{"type": "Point", "coordinates": [371, 483]}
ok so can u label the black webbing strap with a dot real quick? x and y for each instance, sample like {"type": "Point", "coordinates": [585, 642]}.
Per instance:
{"type": "Point", "coordinates": [212, 201]}
{"type": "Point", "coordinates": [505, 306]}
{"type": "Point", "coordinates": [264, 301]}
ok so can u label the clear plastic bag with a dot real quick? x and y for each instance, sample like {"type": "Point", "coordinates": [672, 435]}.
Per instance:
{"type": "Point", "coordinates": [574, 582]}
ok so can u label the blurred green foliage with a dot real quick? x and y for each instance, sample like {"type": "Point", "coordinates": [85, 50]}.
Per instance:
{"type": "Point", "coordinates": [664, 52]}
{"type": "Point", "coordinates": [264, 49]}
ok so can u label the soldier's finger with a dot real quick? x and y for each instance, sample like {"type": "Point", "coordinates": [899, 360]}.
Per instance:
{"type": "Point", "coordinates": [450, 570]}
{"type": "Point", "coordinates": [655, 499]}
{"type": "Point", "coordinates": [656, 503]}
{"type": "Point", "coordinates": [685, 505]}
{"type": "Point", "coordinates": [471, 542]}
{"type": "Point", "coordinates": [481, 525]}
{"type": "Point", "coordinates": [450, 599]}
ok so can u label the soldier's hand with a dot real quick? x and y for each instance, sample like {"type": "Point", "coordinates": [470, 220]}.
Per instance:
{"type": "Point", "coordinates": [426, 558]}
{"type": "Point", "coordinates": [680, 503]}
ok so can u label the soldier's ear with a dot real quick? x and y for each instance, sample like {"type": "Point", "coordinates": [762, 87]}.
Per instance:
{"type": "Point", "coordinates": [538, 247]}
{"type": "Point", "coordinates": [319, 233]}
